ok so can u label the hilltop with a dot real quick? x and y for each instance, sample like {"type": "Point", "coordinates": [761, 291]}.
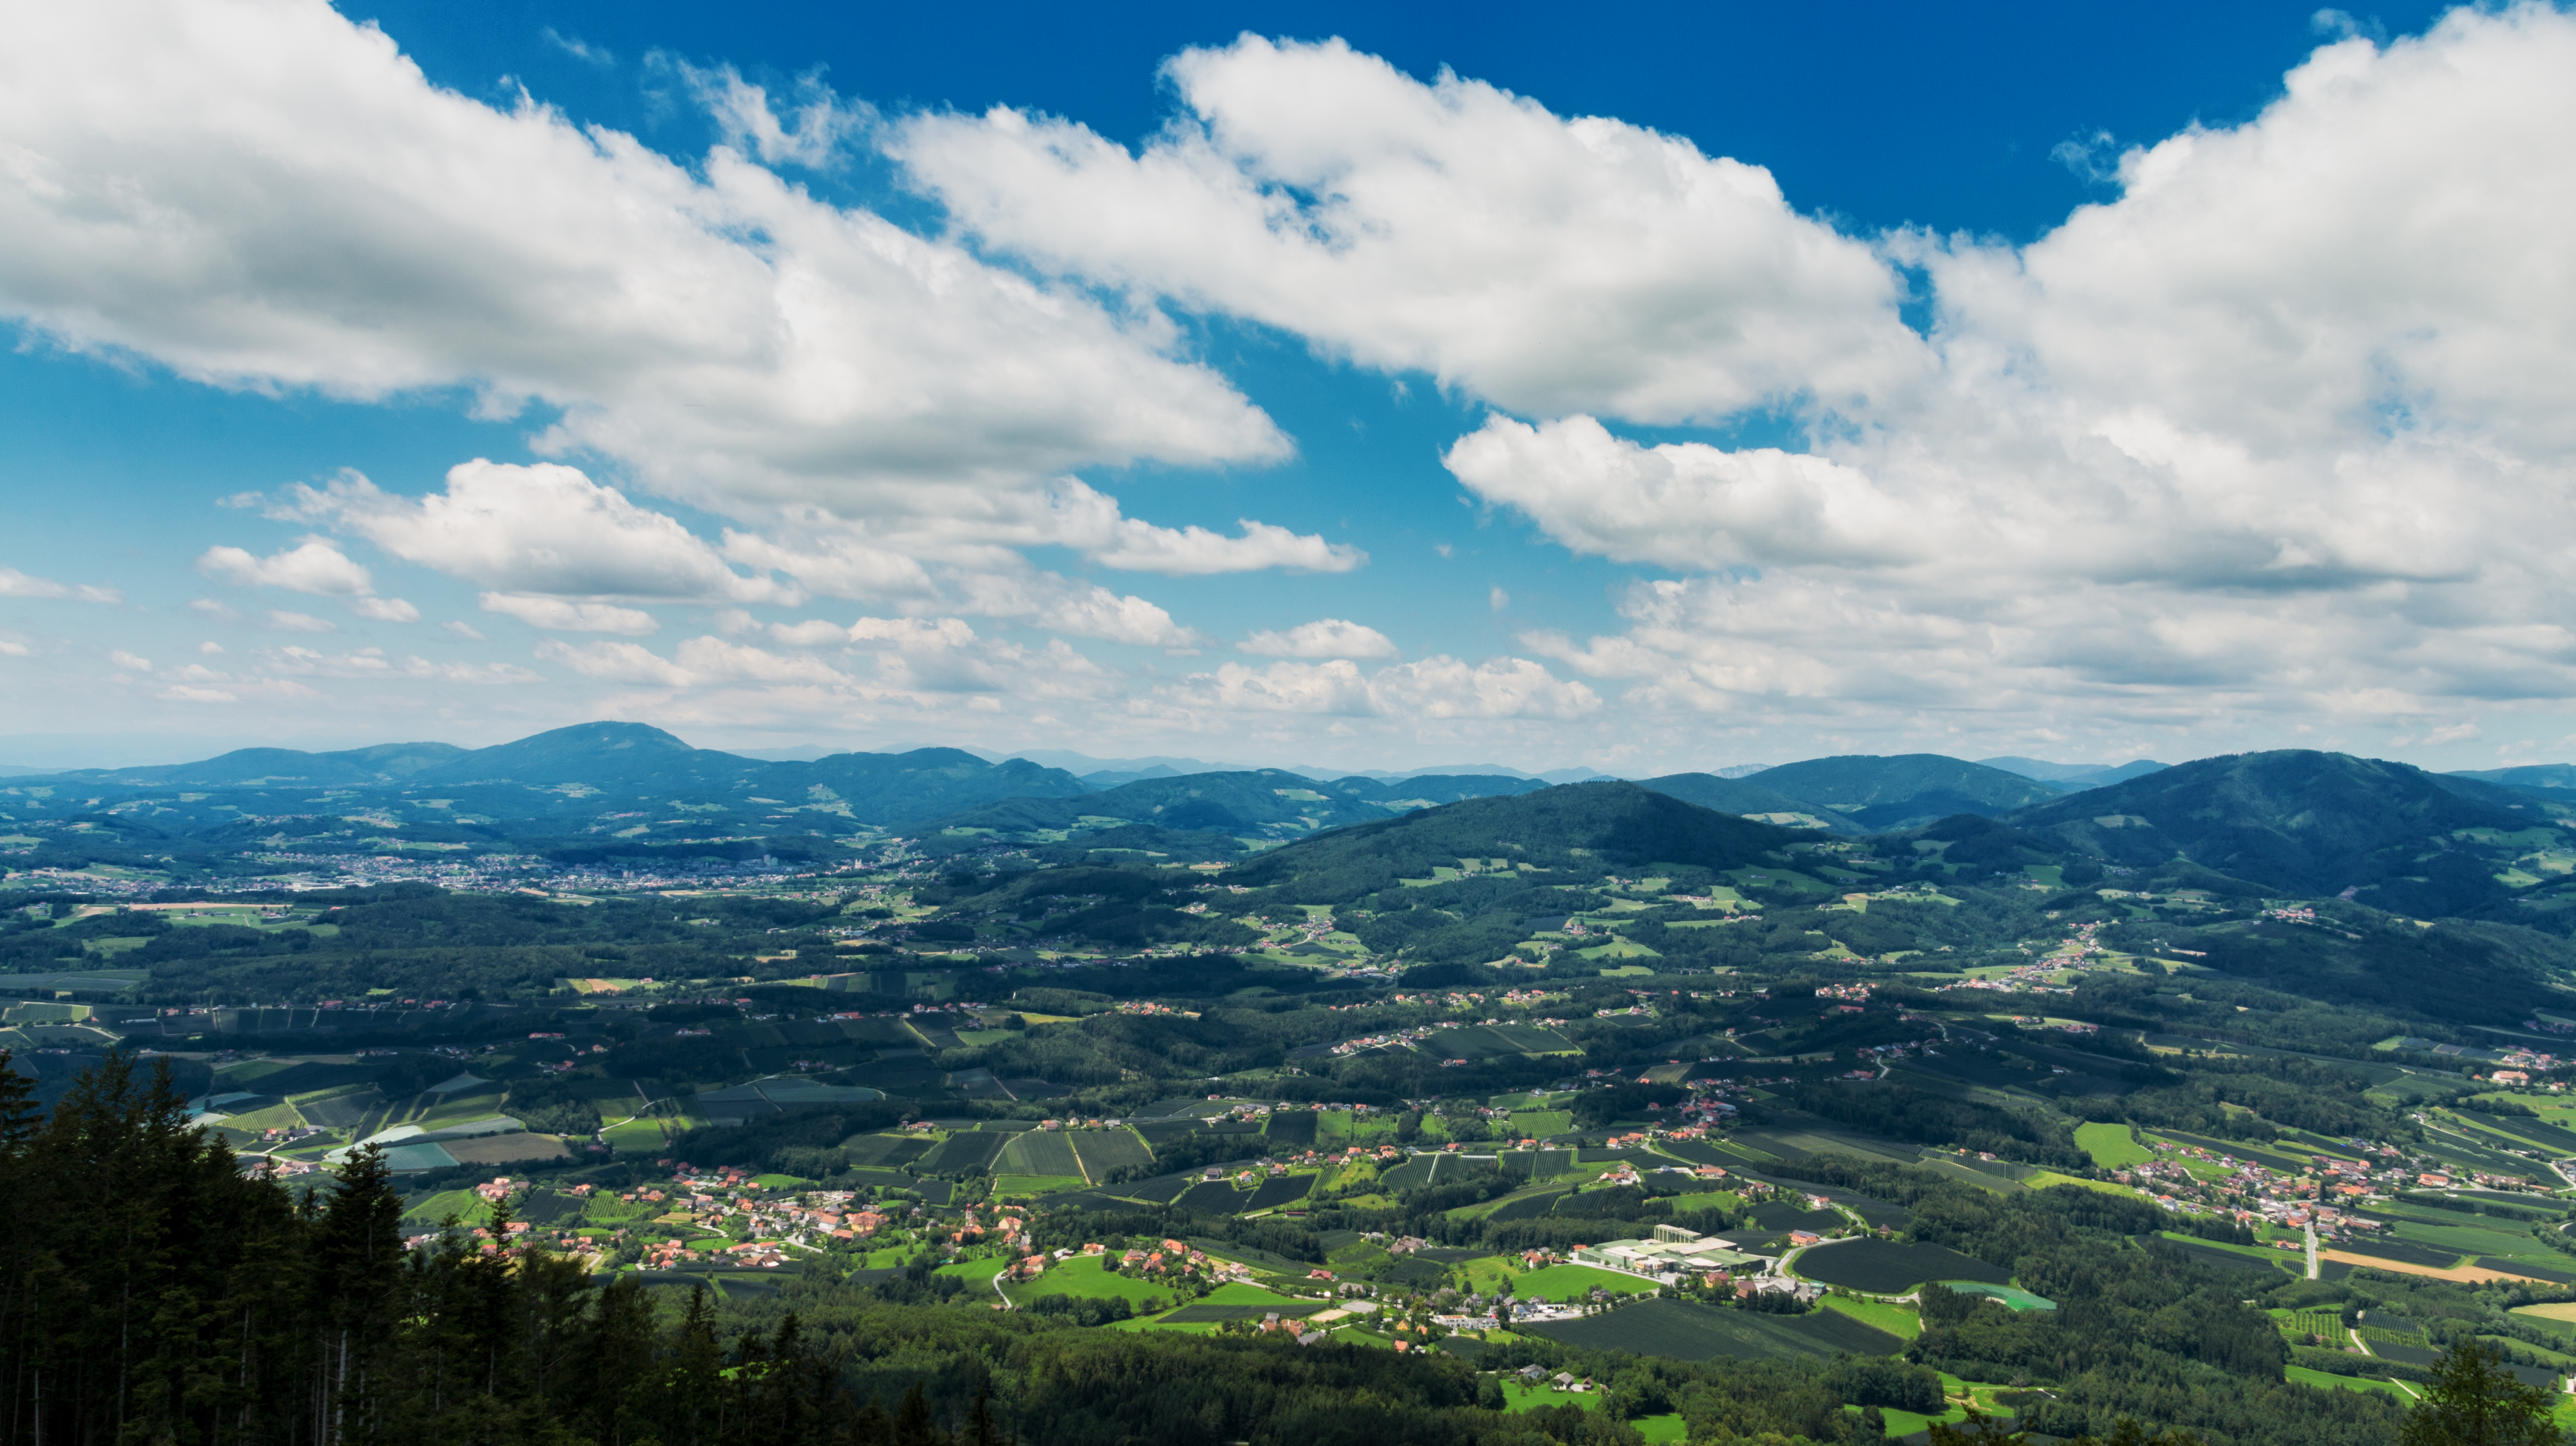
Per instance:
{"type": "Point", "coordinates": [1742, 796]}
{"type": "Point", "coordinates": [1577, 828]}
{"type": "Point", "coordinates": [1907, 788]}
{"type": "Point", "coordinates": [2309, 823]}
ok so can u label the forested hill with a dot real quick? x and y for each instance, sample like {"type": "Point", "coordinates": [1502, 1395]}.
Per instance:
{"type": "Point", "coordinates": [1253, 802]}
{"type": "Point", "coordinates": [1910, 788]}
{"type": "Point", "coordinates": [1742, 796]}
{"type": "Point", "coordinates": [2306, 822]}
{"type": "Point", "coordinates": [1578, 828]}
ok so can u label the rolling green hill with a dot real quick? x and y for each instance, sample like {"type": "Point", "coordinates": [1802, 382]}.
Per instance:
{"type": "Point", "coordinates": [2529, 775]}
{"type": "Point", "coordinates": [1583, 829]}
{"type": "Point", "coordinates": [1266, 801]}
{"type": "Point", "coordinates": [2308, 823]}
{"type": "Point", "coordinates": [1741, 796]}
{"type": "Point", "coordinates": [382, 763]}
{"type": "Point", "coordinates": [1425, 790]}
{"type": "Point", "coordinates": [1904, 789]}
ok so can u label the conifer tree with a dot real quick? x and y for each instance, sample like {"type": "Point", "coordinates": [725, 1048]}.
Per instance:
{"type": "Point", "coordinates": [2473, 1400]}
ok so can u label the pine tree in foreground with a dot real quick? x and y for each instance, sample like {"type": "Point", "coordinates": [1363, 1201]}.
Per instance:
{"type": "Point", "coordinates": [2473, 1399]}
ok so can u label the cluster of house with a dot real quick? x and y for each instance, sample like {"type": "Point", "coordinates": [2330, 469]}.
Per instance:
{"type": "Point", "coordinates": [1561, 1381]}
{"type": "Point", "coordinates": [1391, 1039]}
{"type": "Point", "coordinates": [1275, 1324]}
{"type": "Point", "coordinates": [1175, 1258]}
{"type": "Point", "coordinates": [2252, 1191]}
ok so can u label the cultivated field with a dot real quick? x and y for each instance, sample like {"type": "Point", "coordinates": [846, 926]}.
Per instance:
{"type": "Point", "coordinates": [1102, 1151]}
{"type": "Point", "coordinates": [1038, 1152]}
{"type": "Point", "coordinates": [1688, 1331]}
{"type": "Point", "coordinates": [1883, 1267]}
{"type": "Point", "coordinates": [1280, 1190]}
{"type": "Point", "coordinates": [1292, 1129]}
{"type": "Point", "coordinates": [886, 1151]}
{"type": "Point", "coordinates": [972, 1150]}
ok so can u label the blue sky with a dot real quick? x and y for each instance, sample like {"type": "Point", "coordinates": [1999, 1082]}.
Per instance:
{"type": "Point", "coordinates": [1672, 389]}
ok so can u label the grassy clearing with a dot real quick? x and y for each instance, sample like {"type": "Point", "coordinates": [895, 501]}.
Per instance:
{"type": "Point", "coordinates": [1486, 1272]}
{"type": "Point", "coordinates": [1519, 1397]}
{"type": "Point", "coordinates": [2043, 1179]}
{"type": "Point", "coordinates": [1082, 1277]}
{"type": "Point", "coordinates": [635, 1137]}
{"type": "Point", "coordinates": [1896, 1320]}
{"type": "Point", "coordinates": [1961, 1394]}
{"type": "Point", "coordinates": [1656, 1429]}
{"type": "Point", "coordinates": [2326, 1382]}
{"type": "Point", "coordinates": [974, 1269]}
{"type": "Point", "coordinates": [1573, 1282]}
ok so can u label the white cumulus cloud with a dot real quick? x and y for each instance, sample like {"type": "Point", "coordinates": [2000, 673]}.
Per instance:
{"type": "Point", "coordinates": [537, 529]}
{"type": "Point", "coordinates": [1195, 551]}
{"type": "Point", "coordinates": [2271, 434]}
{"type": "Point", "coordinates": [570, 617]}
{"type": "Point", "coordinates": [14, 583]}
{"type": "Point", "coordinates": [1082, 610]}
{"type": "Point", "coordinates": [1690, 505]}
{"type": "Point", "coordinates": [265, 193]}
{"type": "Point", "coordinates": [615, 662]}
{"type": "Point", "coordinates": [1322, 638]}
{"type": "Point", "coordinates": [1550, 264]}
{"type": "Point", "coordinates": [1437, 688]}
{"type": "Point", "coordinates": [312, 566]}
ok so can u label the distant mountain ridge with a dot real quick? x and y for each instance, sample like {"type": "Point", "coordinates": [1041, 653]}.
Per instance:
{"type": "Point", "coordinates": [1749, 799]}
{"type": "Point", "coordinates": [1111, 772]}
{"type": "Point", "coordinates": [2074, 775]}
{"type": "Point", "coordinates": [381, 763]}
{"type": "Point", "coordinates": [2529, 775]}
{"type": "Point", "coordinates": [1268, 803]}
{"type": "Point", "coordinates": [606, 790]}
